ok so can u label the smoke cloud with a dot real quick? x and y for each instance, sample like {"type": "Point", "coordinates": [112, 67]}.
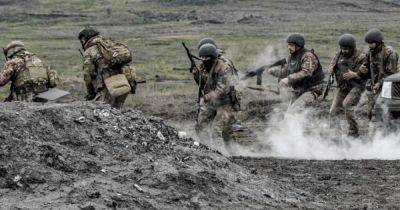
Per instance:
{"type": "Point", "coordinates": [301, 136]}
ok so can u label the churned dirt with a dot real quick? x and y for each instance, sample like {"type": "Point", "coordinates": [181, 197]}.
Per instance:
{"type": "Point", "coordinates": [90, 156]}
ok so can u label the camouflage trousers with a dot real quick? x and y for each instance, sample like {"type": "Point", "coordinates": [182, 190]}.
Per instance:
{"type": "Point", "coordinates": [27, 97]}
{"type": "Point", "coordinates": [344, 101]}
{"type": "Point", "coordinates": [302, 99]}
{"type": "Point", "coordinates": [206, 117]}
{"type": "Point", "coordinates": [370, 103]}
{"type": "Point", "coordinates": [104, 96]}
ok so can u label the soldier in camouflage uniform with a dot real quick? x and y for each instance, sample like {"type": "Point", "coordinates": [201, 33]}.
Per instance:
{"type": "Point", "coordinates": [215, 94]}
{"type": "Point", "coordinates": [28, 75]}
{"type": "Point", "coordinates": [344, 66]}
{"type": "Point", "coordinates": [96, 69]}
{"type": "Point", "coordinates": [384, 58]}
{"type": "Point", "coordinates": [303, 73]}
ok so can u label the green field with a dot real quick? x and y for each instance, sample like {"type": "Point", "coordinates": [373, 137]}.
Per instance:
{"type": "Point", "coordinates": [251, 32]}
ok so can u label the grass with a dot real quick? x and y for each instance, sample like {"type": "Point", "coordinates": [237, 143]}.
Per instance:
{"type": "Point", "coordinates": [49, 29]}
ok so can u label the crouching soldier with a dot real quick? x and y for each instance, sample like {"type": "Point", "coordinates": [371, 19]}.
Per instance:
{"type": "Point", "coordinates": [213, 77]}
{"type": "Point", "coordinates": [108, 74]}
{"type": "Point", "coordinates": [28, 75]}
{"type": "Point", "coordinates": [344, 66]}
{"type": "Point", "coordinates": [303, 73]}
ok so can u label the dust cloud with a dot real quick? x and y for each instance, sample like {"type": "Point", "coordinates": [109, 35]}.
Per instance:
{"type": "Point", "coordinates": [298, 136]}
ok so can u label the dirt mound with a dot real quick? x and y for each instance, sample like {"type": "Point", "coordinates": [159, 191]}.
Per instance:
{"type": "Point", "coordinates": [89, 156]}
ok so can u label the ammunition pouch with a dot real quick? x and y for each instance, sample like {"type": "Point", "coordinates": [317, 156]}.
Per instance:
{"type": "Point", "coordinates": [36, 89]}
{"type": "Point", "coordinates": [117, 86]}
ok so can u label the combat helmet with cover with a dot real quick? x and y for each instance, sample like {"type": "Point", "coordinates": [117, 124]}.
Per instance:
{"type": "Point", "coordinates": [347, 40]}
{"type": "Point", "coordinates": [296, 39]}
{"type": "Point", "coordinates": [13, 48]}
{"type": "Point", "coordinates": [208, 50]}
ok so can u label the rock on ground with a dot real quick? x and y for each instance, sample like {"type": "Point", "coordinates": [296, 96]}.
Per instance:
{"type": "Point", "coordinates": [90, 156]}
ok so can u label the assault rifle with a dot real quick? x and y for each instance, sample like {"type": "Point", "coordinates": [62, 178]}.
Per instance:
{"type": "Point", "coordinates": [190, 56]}
{"type": "Point", "coordinates": [372, 71]}
{"type": "Point", "coordinates": [192, 66]}
{"type": "Point", "coordinates": [331, 80]}
{"type": "Point", "coordinates": [261, 69]}
{"type": "Point", "coordinates": [9, 98]}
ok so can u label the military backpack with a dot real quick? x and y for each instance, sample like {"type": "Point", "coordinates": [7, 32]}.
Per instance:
{"type": "Point", "coordinates": [114, 53]}
{"type": "Point", "coordinates": [33, 77]}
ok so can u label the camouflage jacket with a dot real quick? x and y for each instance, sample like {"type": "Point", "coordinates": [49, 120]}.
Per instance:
{"type": "Point", "coordinates": [341, 64]}
{"type": "Point", "coordinates": [385, 63]}
{"type": "Point", "coordinates": [96, 69]}
{"type": "Point", "coordinates": [215, 83]}
{"type": "Point", "coordinates": [303, 70]}
{"type": "Point", "coordinates": [13, 72]}
{"type": "Point", "coordinates": [233, 71]}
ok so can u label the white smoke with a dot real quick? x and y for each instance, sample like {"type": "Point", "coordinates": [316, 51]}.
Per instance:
{"type": "Point", "coordinates": [303, 136]}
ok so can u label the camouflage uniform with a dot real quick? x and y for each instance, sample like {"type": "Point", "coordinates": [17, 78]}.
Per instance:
{"type": "Point", "coordinates": [215, 85]}
{"type": "Point", "coordinates": [15, 70]}
{"type": "Point", "coordinates": [385, 63]}
{"type": "Point", "coordinates": [96, 70]}
{"type": "Point", "coordinates": [305, 76]}
{"type": "Point", "coordinates": [348, 93]}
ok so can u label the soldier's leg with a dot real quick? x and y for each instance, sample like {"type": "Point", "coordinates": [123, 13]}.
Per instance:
{"type": "Point", "coordinates": [204, 119]}
{"type": "Point", "coordinates": [119, 101]}
{"type": "Point", "coordinates": [306, 99]}
{"type": "Point", "coordinates": [370, 104]}
{"type": "Point", "coordinates": [337, 107]}
{"type": "Point", "coordinates": [349, 103]}
{"type": "Point", "coordinates": [102, 96]}
{"type": "Point", "coordinates": [228, 119]}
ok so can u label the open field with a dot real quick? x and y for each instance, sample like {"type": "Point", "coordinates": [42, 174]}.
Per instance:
{"type": "Point", "coordinates": [178, 174]}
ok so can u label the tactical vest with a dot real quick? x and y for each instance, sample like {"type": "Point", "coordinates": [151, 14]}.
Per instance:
{"type": "Point", "coordinates": [32, 78]}
{"type": "Point", "coordinates": [343, 65]}
{"type": "Point", "coordinates": [294, 66]}
{"type": "Point", "coordinates": [210, 79]}
{"type": "Point", "coordinates": [380, 60]}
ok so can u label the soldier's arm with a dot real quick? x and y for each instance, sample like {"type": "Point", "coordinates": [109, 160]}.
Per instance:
{"type": "Point", "coordinates": [52, 77]}
{"type": "Point", "coordinates": [391, 66]}
{"type": "Point", "coordinates": [365, 63]}
{"type": "Point", "coordinates": [309, 64]}
{"type": "Point", "coordinates": [89, 69]}
{"type": "Point", "coordinates": [221, 87]}
{"type": "Point", "coordinates": [360, 60]}
{"type": "Point", "coordinates": [279, 72]}
{"type": "Point", "coordinates": [10, 67]}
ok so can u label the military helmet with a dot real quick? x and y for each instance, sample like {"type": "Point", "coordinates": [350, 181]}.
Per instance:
{"type": "Point", "coordinates": [296, 39]}
{"type": "Point", "coordinates": [87, 33]}
{"type": "Point", "coordinates": [347, 40]}
{"type": "Point", "coordinates": [13, 48]}
{"type": "Point", "coordinates": [374, 35]}
{"type": "Point", "coordinates": [208, 50]}
{"type": "Point", "coordinates": [206, 41]}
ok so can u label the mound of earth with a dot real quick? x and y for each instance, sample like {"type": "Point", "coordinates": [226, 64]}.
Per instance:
{"type": "Point", "coordinates": [90, 156]}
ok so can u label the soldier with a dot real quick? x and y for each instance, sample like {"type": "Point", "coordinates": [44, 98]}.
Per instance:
{"type": "Point", "coordinates": [383, 59]}
{"type": "Point", "coordinates": [303, 73]}
{"type": "Point", "coordinates": [216, 94]}
{"type": "Point", "coordinates": [104, 63]}
{"type": "Point", "coordinates": [344, 66]}
{"type": "Point", "coordinates": [29, 76]}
